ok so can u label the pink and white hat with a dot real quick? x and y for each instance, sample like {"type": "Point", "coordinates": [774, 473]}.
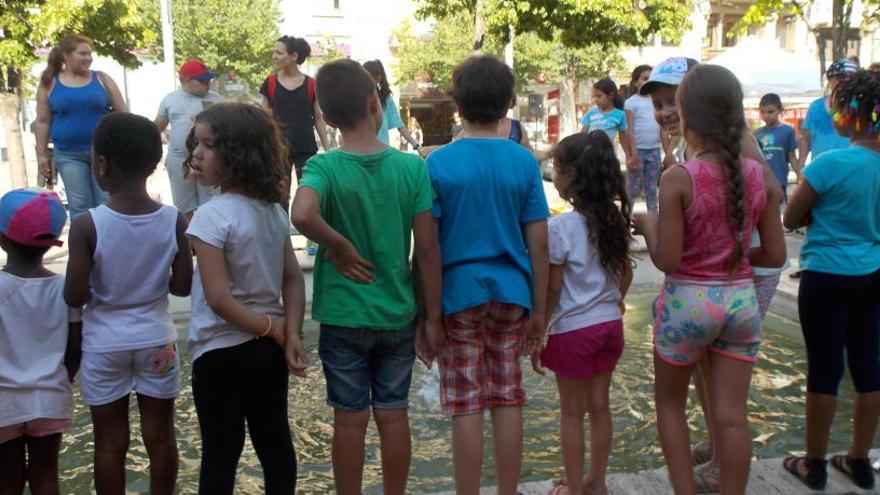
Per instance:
{"type": "Point", "coordinates": [32, 217]}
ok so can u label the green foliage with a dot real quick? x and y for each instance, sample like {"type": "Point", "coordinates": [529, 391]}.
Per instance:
{"type": "Point", "coordinates": [535, 56]}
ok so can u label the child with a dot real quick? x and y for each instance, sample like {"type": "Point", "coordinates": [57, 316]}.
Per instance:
{"type": "Point", "coordinates": [644, 133]}
{"type": "Point", "coordinates": [390, 113]}
{"type": "Point", "coordinates": [179, 108]}
{"type": "Point", "coordinates": [39, 338]}
{"type": "Point", "coordinates": [361, 203]}
{"type": "Point", "coordinates": [290, 95]}
{"type": "Point", "coordinates": [608, 115]}
{"type": "Point", "coordinates": [590, 273]}
{"type": "Point", "coordinates": [247, 268]}
{"type": "Point", "coordinates": [709, 207]}
{"type": "Point", "coordinates": [777, 140]}
{"type": "Point", "coordinates": [839, 297]}
{"type": "Point", "coordinates": [492, 217]}
{"type": "Point", "coordinates": [125, 257]}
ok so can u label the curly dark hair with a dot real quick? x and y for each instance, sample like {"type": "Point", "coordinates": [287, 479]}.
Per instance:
{"type": "Point", "coordinates": [710, 100]}
{"type": "Point", "coordinates": [249, 145]}
{"type": "Point", "coordinates": [597, 189]}
{"type": "Point", "coordinates": [855, 101]}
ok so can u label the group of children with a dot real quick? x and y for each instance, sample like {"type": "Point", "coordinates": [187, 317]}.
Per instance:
{"type": "Point", "coordinates": [489, 278]}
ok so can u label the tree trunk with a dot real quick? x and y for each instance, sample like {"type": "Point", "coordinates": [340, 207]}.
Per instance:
{"type": "Point", "coordinates": [10, 109]}
{"type": "Point", "coordinates": [479, 27]}
{"type": "Point", "coordinates": [567, 112]}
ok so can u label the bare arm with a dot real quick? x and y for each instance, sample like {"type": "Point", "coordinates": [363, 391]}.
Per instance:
{"type": "Point", "coordinates": [803, 151]}
{"type": "Point", "coordinates": [536, 241]}
{"type": "Point", "coordinates": [797, 214]}
{"type": "Point", "coordinates": [41, 129]}
{"type": "Point", "coordinates": [80, 245]}
{"type": "Point", "coordinates": [554, 287]}
{"type": "Point", "coordinates": [161, 123]}
{"type": "Point", "coordinates": [117, 102]}
{"type": "Point", "coordinates": [73, 352]}
{"type": "Point", "coordinates": [406, 135]}
{"type": "Point", "coordinates": [182, 266]}
{"type": "Point", "coordinates": [321, 126]}
{"type": "Point", "coordinates": [771, 253]}
{"type": "Point", "coordinates": [664, 236]}
{"type": "Point", "coordinates": [293, 294]}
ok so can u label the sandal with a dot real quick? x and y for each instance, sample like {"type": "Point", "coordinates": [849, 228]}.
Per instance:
{"type": "Point", "coordinates": [860, 471]}
{"type": "Point", "coordinates": [701, 453]}
{"type": "Point", "coordinates": [708, 478]}
{"type": "Point", "coordinates": [817, 472]}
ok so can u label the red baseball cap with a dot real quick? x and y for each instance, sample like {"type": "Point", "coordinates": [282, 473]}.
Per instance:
{"type": "Point", "coordinates": [196, 69]}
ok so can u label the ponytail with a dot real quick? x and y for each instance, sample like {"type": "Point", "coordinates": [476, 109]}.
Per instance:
{"type": "Point", "coordinates": [56, 57]}
{"type": "Point", "coordinates": [608, 87]}
{"type": "Point", "coordinates": [377, 70]}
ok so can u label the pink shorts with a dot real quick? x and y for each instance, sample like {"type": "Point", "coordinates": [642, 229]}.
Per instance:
{"type": "Point", "coordinates": [580, 354]}
{"type": "Point", "coordinates": [40, 427]}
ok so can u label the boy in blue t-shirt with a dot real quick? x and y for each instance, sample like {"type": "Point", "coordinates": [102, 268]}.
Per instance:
{"type": "Point", "coordinates": [777, 140]}
{"type": "Point", "coordinates": [492, 218]}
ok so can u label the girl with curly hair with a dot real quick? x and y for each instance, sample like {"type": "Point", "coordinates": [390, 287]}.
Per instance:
{"type": "Point", "coordinates": [247, 297]}
{"type": "Point", "coordinates": [709, 207]}
{"type": "Point", "coordinates": [590, 273]}
{"type": "Point", "coordinates": [839, 294]}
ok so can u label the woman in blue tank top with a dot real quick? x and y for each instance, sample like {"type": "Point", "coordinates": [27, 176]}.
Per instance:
{"type": "Point", "coordinates": [71, 99]}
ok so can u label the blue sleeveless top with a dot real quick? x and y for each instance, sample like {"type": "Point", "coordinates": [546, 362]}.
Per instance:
{"type": "Point", "coordinates": [515, 131]}
{"type": "Point", "coordinates": [76, 112]}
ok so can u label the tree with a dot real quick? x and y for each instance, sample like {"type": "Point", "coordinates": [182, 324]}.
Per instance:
{"type": "Point", "coordinates": [116, 27]}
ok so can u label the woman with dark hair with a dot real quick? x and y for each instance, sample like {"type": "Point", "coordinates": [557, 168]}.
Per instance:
{"type": "Point", "coordinates": [290, 94]}
{"type": "Point", "coordinates": [390, 113]}
{"type": "Point", "coordinates": [71, 99]}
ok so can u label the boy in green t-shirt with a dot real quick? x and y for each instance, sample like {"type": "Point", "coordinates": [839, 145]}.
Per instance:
{"type": "Point", "coordinates": [361, 204]}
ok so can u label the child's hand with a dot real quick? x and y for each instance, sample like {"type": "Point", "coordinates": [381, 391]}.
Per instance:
{"type": "Point", "coordinates": [277, 332]}
{"type": "Point", "coordinates": [633, 162]}
{"type": "Point", "coordinates": [534, 337]}
{"type": "Point", "coordinates": [536, 360]}
{"type": "Point", "coordinates": [295, 355]}
{"type": "Point", "coordinates": [423, 349]}
{"type": "Point", "coordinates": [643, 222]}
{"type": "Point", "coordinates": [435, 338]}
{"type": "Point", "coordinates": [349, 263]}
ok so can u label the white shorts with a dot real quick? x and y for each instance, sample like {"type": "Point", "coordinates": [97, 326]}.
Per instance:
{"type": "Point", "coordinates": [108, 376]}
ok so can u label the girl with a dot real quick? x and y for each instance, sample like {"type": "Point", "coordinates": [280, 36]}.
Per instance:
{"type": "Point", "coordinates": [240, 333]}
{"type": "Point", "coordinates": [71, 98]}
{"type": "Point", "coordinates": [701, 241]}
{"type": "Point", "coordinates": [590, 273]}
{"type": "Point", "coordinates": [125, 257]}
{"type": "Point", "coordinates": [608, 116]}
{"type": "Point", "coordinates": [390, 113]}
{"type": "Point", "coordinates": [839, 296]}
{"type": "Point", "coordinates": [644, 133]}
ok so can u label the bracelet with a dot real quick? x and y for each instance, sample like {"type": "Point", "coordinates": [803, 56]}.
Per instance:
{"type": "Point", "coordinates": [268, 326]}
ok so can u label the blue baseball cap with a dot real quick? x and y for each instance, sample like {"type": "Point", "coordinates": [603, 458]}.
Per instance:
{"type": "Point", "coordinates": [32, 217]}
{"type": "Point", "coordinates": [669, 72]}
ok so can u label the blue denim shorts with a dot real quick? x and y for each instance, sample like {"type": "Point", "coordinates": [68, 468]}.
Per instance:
{"type": "Point", "coordinates": [364, 367]}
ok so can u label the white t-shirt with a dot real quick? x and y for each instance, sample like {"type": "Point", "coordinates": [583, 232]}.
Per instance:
{"type": "Point", "coordinates": [588, 296]}
{"type": "Point", "coordinates": [252, 235]}
{"type": "Point", "coordinates": [33, 337]}
{"type": "Point", "coordinates": [131, 272]}
{"type": "Point", "coordinates": [645, 127]}
{"type": "Point", "coordinates": [180, 109]}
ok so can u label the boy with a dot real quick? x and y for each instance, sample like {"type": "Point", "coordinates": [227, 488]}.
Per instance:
{"type": "Point", "coordinates": [179, 108]}
{"type": "Point", "coordinates": [492, 217]}
{"type": "Point", "coordinates": [39, 344]}
{"type": "Point", "coordinates": [777, 140]}
{"type": "Point", "coordinates": [361, 203]}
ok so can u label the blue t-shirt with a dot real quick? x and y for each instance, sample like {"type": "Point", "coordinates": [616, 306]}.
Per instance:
{"type": "Point", "coordinates": [390, 119]}
{"type": "Point", "coordinates": [823, 136]}
{"type": "Point", "coordinates": [844, 238]}
{"type": "Point", "coordinates": [776, 144]}
{"type": "Point", "coordinates": [610, 122]}
{"type": "Point", "coordinates": [486, 191]}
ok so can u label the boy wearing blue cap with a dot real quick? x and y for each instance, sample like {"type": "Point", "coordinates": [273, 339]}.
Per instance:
{"type": "Point", "coordinates": [39, 342]}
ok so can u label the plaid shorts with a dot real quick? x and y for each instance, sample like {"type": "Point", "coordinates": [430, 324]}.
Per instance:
{"type": "Point", "coordinates": [480, 366]}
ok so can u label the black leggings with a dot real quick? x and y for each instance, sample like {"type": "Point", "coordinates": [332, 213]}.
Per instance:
{"type": "Point", "coordinates": [840, 312]}
{"type": "Point", "coordinates": [247, 382]}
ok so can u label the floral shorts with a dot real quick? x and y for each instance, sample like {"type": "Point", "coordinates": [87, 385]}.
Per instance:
{"type": "Point", "coordinates": [695, 316]}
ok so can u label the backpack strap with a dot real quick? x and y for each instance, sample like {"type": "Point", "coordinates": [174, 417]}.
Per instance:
{"type": "Point", "coordinates": [310, 89]}
{"type": "Point", "coordinates": [271, 83]}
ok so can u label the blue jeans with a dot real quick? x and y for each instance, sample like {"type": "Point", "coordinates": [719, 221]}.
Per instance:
{"type": "Point", "coordinates": [82, 191]}
{"type": "Point", "coordinates": [364, 366]}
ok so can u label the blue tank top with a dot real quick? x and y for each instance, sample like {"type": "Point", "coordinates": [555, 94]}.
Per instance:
{"type": "Point", "coordinates": [515, 131]}
{"type": "Point", "coordinates": [76, 112]}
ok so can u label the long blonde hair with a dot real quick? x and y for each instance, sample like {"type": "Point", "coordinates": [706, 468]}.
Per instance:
{"type": "Point", "coordinates": [67, 45]}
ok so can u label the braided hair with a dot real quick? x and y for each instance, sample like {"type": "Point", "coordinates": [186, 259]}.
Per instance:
{"type": "Point", "coordinates": [710, 103]}
{"type": "Point", "coordinates": [597, 189]}
{"type": "Point", "coordinates": [855, 101]}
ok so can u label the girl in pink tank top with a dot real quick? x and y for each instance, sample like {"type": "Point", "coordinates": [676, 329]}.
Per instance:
{"type": "Point", "coordinates": [708, 209]}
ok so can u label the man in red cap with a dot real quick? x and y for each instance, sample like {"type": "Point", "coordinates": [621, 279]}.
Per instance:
{"type": "Point", "coordinates": [179, 108]}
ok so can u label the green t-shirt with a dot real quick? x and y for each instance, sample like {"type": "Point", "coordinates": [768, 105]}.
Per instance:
{"type": "Point", "coordinates": [371, 201]}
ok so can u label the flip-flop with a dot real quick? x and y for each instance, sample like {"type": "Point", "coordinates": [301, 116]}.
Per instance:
{"type": "Point", "coordinates": [708, 478]}
{"type": "Point", "coordinates": [859, 472]}
{"type": "Point", "coordinates": [817, 471]}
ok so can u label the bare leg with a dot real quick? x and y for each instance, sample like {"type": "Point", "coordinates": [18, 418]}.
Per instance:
{"type": "Point", "coordinates": [157, 428]}
{"type": "Point", "coordinates": [394, 436]}
{"type": "Point", "coordinates": [13, 467]}
{"type": "Point", "coordinates": [467, 452]}
{"type": "Point", "coordinates": [601, 432]}
{"type": "Point", "coordinates": [574, 399]}
{"type": "Point", "coordinates": [867, 410]}
{"type": "Point", "coordinates": [507, 434]}
{"type": "Point", "coordinates": [111, 445]}
{"type": "Point", "coordinates": [703, 384]}
{"type": "Point", "coordinates": [820, 415]}
{"type": "Point", "coordinates": [349, 430]}
{"type": "Point", "coordinates": [43, 464]}
{"type": "Point", "coordinates": [730, 388]}
{"type": "Point", "coordinates": [670, 396]}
